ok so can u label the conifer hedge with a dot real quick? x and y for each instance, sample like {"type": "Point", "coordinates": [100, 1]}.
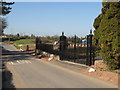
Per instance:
{"type": "Point", "coordinates": [107, 34]}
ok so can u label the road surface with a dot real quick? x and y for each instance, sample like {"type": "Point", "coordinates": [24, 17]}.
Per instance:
{"type": "Point", "coordinates": [30, 72]}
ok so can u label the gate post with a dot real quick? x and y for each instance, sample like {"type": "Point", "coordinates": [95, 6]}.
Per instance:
{"type": "Point", "coordinates": [89, 54]}
{"type": "Point", "coordinates": [36, 48]}
{"type": "Point", "coordinates": [63, 45]}
{"type": "Point", "coordinates": [91, 48]}
{"type": "Point", "coordinates": [38, 42]}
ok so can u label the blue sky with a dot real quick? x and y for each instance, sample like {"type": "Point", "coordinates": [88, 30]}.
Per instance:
{"type": "Point", "coordinates": [51, 18]}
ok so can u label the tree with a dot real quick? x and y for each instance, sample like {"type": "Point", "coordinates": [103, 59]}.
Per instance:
{"type": "Point", "coordinates": [5, 7]}
{"type": "Point", "coordinates": [107, 33]}
{"type": "Point", "coordinates": [3, 25]}
{"type": "Point", "coordinates": [4, 10]}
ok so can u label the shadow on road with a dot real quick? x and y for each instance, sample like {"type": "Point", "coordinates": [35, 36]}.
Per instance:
{"type": "Point", "coordinates": [7, 78]}
{"type": "Point", "coordinates": [13, 56]}
{"type": "Point", "coordinates": [7, 56]}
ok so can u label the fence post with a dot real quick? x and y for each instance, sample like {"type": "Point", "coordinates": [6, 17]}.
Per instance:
{"type": "Point", "coordinates": [27, 48]}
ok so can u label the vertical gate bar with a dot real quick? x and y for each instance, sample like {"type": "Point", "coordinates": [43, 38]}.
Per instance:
{"type": "Point", "coordinates": [90, 50]}
{"type": "Point", "coordinates": [75, 48]}
{"type": "Point", "coordinates": [93, 51]}
{"type": "Point", "coordinates": [87, 54]}
{"type": "Point", "coordinates": [36, 45]}
{"type": "Point", "coordinates": [61, 50]}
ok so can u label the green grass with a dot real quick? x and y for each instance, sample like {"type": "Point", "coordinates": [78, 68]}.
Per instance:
{"type": "Point", "coordinates": [8, 41]}
{"type": "Point", "coordinates": [22, 41]}
{"type": "Point", "coordinates": [17, 47]}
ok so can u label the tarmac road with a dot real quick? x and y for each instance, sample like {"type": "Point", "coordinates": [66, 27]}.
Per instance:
{"type": "Point", "coordinates": [30, 72]}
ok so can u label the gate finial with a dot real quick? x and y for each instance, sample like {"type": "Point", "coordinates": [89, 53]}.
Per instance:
{"type": "Point", "coordinates": [62, 33]}
{"type": "Point", "coordinates": [91, 31]}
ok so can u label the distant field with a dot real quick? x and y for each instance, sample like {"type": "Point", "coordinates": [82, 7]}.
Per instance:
{"type": "Point", "coordinates": [22, 41]}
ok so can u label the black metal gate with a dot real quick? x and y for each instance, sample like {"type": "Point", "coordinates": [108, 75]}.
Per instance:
{"type": "Point", "coordinates": [77, 52]}
{"type": "Point", "coordinates": [74, 50]}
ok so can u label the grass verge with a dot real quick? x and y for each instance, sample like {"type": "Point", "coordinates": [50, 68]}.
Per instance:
{"type": "Point", "coordinates": [22, 41]}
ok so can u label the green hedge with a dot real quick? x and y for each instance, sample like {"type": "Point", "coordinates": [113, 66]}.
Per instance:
{"type": "Point", "coordinates": [107, 34]}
